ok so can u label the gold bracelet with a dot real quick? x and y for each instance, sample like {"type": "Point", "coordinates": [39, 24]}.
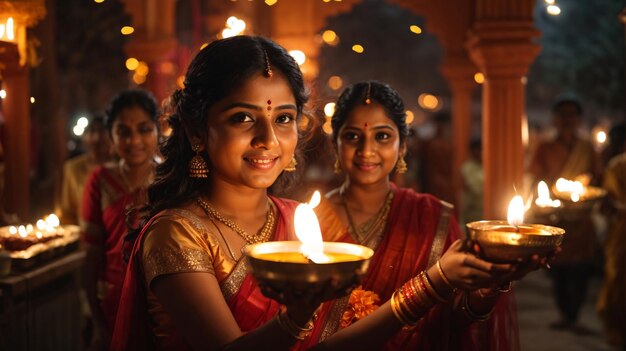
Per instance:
{"type": "Point", "coordinates": [395, 308]}
{"type": "Point", "coordinates": [404, 310]}
{"type": "Point", "coordinates": [294, 330]}
{"type": "Point", "coordinates": [445, 279]}
{"type": "Point", "coordinates": [430, 288]}
{"type": "Point", "coordinates": [465, 307]}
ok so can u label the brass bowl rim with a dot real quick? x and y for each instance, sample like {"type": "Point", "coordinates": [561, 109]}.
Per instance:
{"type": "Point", "coordinates": [480, 226]}
{"type": "Point", "coordinates": [363, 252]}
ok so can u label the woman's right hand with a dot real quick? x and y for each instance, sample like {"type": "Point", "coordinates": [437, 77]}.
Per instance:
{"type": "Point", "coordinates": [467, 272]}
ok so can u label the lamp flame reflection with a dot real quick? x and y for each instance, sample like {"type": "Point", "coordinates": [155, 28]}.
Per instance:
{"type": "Point", "coordinates": [308, 230]}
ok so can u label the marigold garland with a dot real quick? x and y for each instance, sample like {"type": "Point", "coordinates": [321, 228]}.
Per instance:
{"type": "Point", "coordinates": [361, 303]}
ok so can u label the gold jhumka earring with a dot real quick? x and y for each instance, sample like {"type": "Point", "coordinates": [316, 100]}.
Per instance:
{"type": "Point", "coordinates": [337, 166]}
{"type": "Point", "coordinates": [268, 68]}
{"type": "Point", "coordinates": [197, 166]}
{"type": "Point", "coordinates": [291, 167]}
{"type": "Point", "coordinates": [401, 166]}
{"type": "Point", "coordinates": [368, 99]}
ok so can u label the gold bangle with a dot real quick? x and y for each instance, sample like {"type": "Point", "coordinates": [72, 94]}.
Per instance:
{"type": "Point", "coordinates": [419, 301]}
{"type": "Point", "coordinates": [422, 295]}
{"type": "Point", "coordinates": [471, 314]}
{"type": "Point", "coordinates": [445, 279]}
{"type": "Point", "coordinates": [395, 308]}
{"type": "Point", "coordinates": [404, 310]}
{"type": "Point", "coordinates": [294, 330]}
{"type": "Point", "coordinates": [430, 288]}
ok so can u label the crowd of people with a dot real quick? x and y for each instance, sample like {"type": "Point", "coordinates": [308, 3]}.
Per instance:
{"type": "Point", "coordinates": [164, 224]}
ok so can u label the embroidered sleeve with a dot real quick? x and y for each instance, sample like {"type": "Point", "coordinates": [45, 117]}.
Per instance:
{"type": "Point", "coordinates": [175, 245]}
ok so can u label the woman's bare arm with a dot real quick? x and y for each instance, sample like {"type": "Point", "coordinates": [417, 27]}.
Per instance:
{"type": "Point", "coordinates": [196, 305]}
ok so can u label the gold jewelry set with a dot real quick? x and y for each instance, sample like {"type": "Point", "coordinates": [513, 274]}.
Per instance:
{"type": "Point", "coordinates": [291, 327]}
{"type": "Point", "coordinates": [264, 233]}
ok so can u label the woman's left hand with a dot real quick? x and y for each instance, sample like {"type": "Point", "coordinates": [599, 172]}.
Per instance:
{"type": "Point", "coordinates": [522, 267]}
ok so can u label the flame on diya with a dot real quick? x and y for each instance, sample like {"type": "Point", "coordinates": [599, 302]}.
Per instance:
{"type": "Point", "coordinates": [289, 267]}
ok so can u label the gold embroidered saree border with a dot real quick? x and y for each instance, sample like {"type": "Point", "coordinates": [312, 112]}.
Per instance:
{"type": "Point", "coordinates": [334, 317]}
{"type": "Point", "coordinates": [231, 285]}
{"type": "Point", "coordinates": [441, 233]}
{"type": "Point", "coordinates": [163, 262]}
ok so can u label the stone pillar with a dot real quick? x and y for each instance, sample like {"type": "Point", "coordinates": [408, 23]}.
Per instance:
{"type": "Point", "coordinates": [500, 43]}
{"type": "Point", "coordinates": [154, 41]}
{"type": "Point", "coordinates": [459, 73]}
{"type": "Point", "coordinates": [17, 148]}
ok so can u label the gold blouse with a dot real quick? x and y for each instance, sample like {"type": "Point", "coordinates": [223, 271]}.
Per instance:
{"type": "Point", "coordinates": [179, 242]}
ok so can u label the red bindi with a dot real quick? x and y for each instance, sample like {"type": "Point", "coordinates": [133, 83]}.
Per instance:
{"type": "Point", "coordinates": [365, 126]}
{"type": "Point", "coordinates": [269, 102]}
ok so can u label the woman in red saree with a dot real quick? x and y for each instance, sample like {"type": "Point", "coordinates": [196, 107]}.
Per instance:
{"type": "Point", "coordinates": [409, 232]}
{"type": "Point", "coordinates": [234, 132]}
{"type": "Point", "coordinates": [109, 193]}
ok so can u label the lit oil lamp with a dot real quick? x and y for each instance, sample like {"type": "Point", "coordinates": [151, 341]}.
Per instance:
{"type": "Point", "coordinates": [308, 265]}
{"type": "Point", "coordinates": [506, 241]}
{"type": "Point", "coordinates": [577, 190]}
{"type": "Point", "coordinates": [543, 197]}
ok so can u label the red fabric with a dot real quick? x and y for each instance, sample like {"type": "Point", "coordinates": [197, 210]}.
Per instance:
{"type": "Point", "coordinates": [249, 307]}
{"type": "Point", "coordinates": [403, 252]}
{"type": "Point", "coordinates": [105, 202]}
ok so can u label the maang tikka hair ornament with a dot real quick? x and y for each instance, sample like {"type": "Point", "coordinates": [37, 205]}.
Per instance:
{"type": "Point", "coordinates": [368, 99]}
{"type": "Point", "coordinates": [197, 166]}
{"type": "Point", "coordinates": [268, 68]}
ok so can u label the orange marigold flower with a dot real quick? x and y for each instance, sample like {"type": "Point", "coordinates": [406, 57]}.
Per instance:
{"type": "Point", "coordinates": [360, 304]}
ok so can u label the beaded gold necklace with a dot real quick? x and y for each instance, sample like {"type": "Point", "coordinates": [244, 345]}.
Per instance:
{"type": "Point", "coordinates": [370, 232]}
{"type": "Point", "coordinates": [262, 235]}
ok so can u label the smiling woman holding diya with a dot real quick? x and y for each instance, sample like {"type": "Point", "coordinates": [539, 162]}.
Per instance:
{"type": "Point", "coordinates": [435, 288]}
{"type": "Point", "coordinates": [234, 133]}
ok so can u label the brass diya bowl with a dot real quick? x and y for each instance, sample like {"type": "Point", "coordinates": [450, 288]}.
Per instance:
{"type": "Point", "coordinates": [284, 274]}
{"type": "Point", "coordinates": [501, 242]}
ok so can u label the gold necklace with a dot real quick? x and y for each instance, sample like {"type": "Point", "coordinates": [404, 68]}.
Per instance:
{"type": "Point", "coordinates": [262, 235]}
{"type": "Point", "coordinates": [370, 232]}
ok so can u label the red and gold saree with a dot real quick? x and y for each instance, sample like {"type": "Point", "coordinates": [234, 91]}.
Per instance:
{"type": "Point", "coordinates": [105, 204]}
{"type": "Point", "coordinates": [142, 324]}
{"type": "Point", "coordinates": [417, 233]}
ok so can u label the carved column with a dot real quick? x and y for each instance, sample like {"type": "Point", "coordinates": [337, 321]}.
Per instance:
{"type": "Point", "coordinates": [17, 148]}
{"type": "Point", "coordinates": [15, 61]}
{"type": "Point", "coordinates": [154, 41]}
{"type": "Point", "coordinates": [459, 72]}
{"type": "Point", "coordinates": [501, 45]}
